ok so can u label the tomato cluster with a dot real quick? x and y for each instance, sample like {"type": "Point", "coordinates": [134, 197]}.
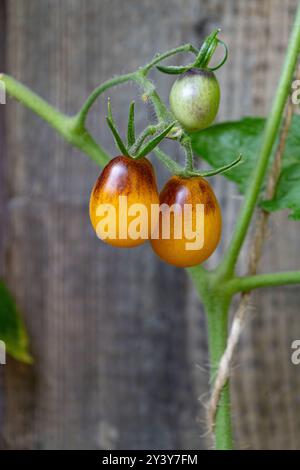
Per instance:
{"type": "Point", "coordinates": [135, 179]}
{"type": "Point", "coordinates": [125, 207]}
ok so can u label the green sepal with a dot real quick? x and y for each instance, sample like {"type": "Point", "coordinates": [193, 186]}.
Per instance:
{"type": "Point", "coordinates": [178, 170]}
{"type": "Point", "coordinates": [149, 146]}
{"type": "Point", "coordinates": [131, 125]}
{"type": "Point", "coordinates": [207, 49]}
{"type": "Point", "coordinates": [150, 130]}
{"type": "Point", "coordinates": [111, 123]}
{"type": "Point", "coordinates": [169, 163]}
{"type": "Point", "coordinates": [218, 171]}
{"type": "Point", "coordinates": [202, 60]}
{"type": "Point", "coordinates": [174, 69]}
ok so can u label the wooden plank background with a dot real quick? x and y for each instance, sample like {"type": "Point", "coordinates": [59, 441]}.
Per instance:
{"type": "Point", "coordinates": [2, 186]}
{"type": "Point", "coordinates": [119, 337]}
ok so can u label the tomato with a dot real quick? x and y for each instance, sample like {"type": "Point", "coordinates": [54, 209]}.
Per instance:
{"type": "Point", "coordinates": [195, 98]}
{"type": "Point", "coordinates": [199, 230]}
{"type": "Point", "coordinates": [114, 213]}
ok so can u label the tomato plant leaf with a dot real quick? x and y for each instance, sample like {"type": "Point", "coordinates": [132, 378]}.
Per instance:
{"type": "Point", "coordinates": [219, 143]}
{"type": "Point", "coordinates": [12, 329]}
{"type": "Point", "coordinates": [287, 195]}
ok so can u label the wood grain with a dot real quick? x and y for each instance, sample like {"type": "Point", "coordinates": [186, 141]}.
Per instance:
{"type": "Point", "coordinates": [2, 191]}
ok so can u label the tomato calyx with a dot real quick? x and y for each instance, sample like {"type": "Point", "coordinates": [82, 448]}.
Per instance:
{"type": "Point", "coordinates": [142, 145]}
{"type": "Point", "coordinates": [178, 170]}
{"type": "Point", "coordinates": [203, 58]}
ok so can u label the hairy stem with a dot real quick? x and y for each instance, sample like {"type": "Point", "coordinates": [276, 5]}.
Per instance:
{"type": "Point", "coordinates": [159, 57]}
{"type": "Point", "coordinates": [217, 323]}
{"type": "Point", "coordinates": [73, 128]}
{"type": "Point", "coordinates": [139, 76]}
{"type": "Point", "coordinates": [270, 133]}
{"type": "Point", "coordinates": [216, 302]}
{"type": "Point", "coordinates": [82, 114]}
{"type": "Point", "coordinates": [150, 94]}
{"type": "Point", "coordinates": [189, 158]}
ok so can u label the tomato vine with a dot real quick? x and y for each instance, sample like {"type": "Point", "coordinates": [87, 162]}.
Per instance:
{"type": "Point", "coordinates": [216, 288]}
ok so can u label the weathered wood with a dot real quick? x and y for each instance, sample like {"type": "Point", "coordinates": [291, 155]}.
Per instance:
{"type": "Point", "coordinates": [119, 338]}
{"type": "Point", "coordinates": [2, 135]}
{"type": "Point", "coordinates": [2, 191]}
{"type": "Point", "coordinates": [108, 327]}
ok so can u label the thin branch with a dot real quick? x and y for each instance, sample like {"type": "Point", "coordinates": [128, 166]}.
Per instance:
{"type": "Point", "coordinates": [248, 283]}
{"type": "Point", "coordinates": [169, 163]}
{"type": "Point", "coordinates": [73, 128]}
{"type": "Point", "coordinates": [82, 115]}
{"type": "Point", "coordinates": [159, 57]}
{"type": "Point", "coordinates": [63, 124]}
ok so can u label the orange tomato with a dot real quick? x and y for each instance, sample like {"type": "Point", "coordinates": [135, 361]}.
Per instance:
{"type": "Point", "coordinates": [194, 235]}
{"type": "Point", "coordinates": [123, 184]}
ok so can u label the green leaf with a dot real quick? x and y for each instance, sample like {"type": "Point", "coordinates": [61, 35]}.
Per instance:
{"type": "Point", "coordinates": [218, 145]}
{"type": "Point", "coordinates": [12, 329]}
{"type": "Point", "coordinates": [288, 192]}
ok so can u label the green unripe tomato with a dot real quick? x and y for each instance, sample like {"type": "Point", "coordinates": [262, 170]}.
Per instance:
{"type": "Point", "coordinates": [195, 98]}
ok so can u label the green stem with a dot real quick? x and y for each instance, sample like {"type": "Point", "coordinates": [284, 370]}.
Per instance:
{"type": "Point", "coordinates": [248, 283]}
{"type": "Point", "coordinates": [73, 128]}
{"type": "Point", "coordinates": [150, 130]}
{"type": "Point", "coordinates": [37, 104]}
{"type": "Point", "coordinates": [87, 144]}
{"type": "Point", "coordinates": [82, 115]}
{"type": "Point", "coordinates": [189, 158]}
{"type": "Point", "coordinates": [216, 301]}
{"type": "Point", "coordinates": [133, 76]}
{"type": "Point", "coordinates": [150, 93]}
{"type": "Point", "coordinates": [216, 171]}
{"type": "Point", "coordinates": [63, 124]}
{"type": "Point", "coordinates": [270, 133]}
{"type": "Point", "coordinates": [217, 325]}
{"type": "Point", "coordinates": [169, 163]}
{"type": "Point", "coordinates": [159, 57]}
